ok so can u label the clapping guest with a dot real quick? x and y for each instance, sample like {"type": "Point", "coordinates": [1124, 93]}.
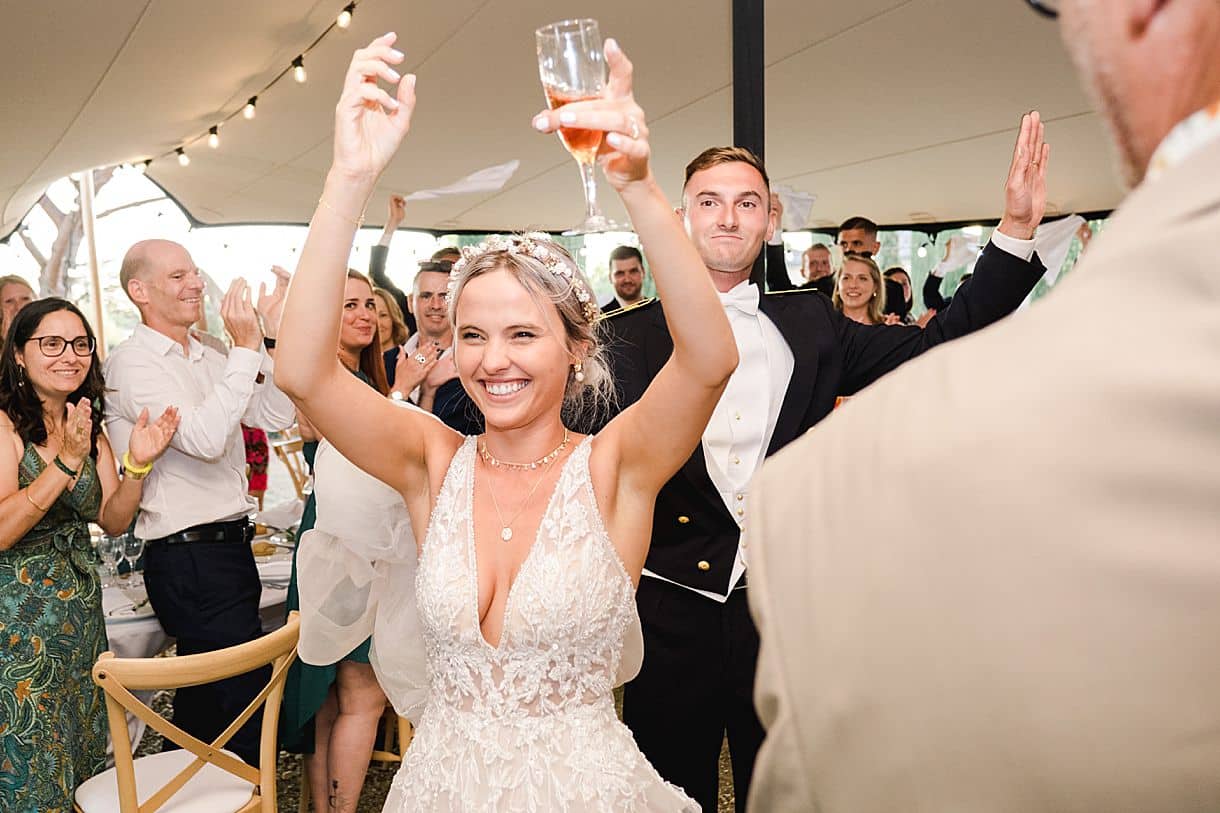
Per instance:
{"type": "Point", "coordinates": [330, 713]}
{"type": "Point", "coordinates": [199, 569]}
{"type": "Point", "coordinates": [15, 294]}
{"type": "Point", "coordinates": [430, 302]}
{"type": "Point", "coordinates": [860, 291]}
{"type": "Point", "coordinates": [57, 474]}
{"type": "Point", "coordinates": [392, 330]}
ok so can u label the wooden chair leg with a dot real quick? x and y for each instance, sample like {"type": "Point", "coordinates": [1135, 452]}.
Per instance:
{"type": "Point", "coordinates": [405, 732]}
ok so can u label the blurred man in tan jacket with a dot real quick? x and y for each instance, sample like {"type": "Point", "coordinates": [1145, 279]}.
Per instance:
{"type": "Point", "coordinates": [1052, 644]}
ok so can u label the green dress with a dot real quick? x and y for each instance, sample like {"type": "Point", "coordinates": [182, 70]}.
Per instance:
{"type": "Point", "coordinates": [306, 686]}
{"type": "Point", "coordinates": [52, 715]}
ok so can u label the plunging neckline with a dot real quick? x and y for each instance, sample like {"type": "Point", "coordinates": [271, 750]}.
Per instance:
{"type": "Point", "coordinates": [473, 557]}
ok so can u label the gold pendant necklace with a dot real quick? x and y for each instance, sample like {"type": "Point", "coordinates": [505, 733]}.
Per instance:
{"type": "Point", "coordinates": [506, 530]}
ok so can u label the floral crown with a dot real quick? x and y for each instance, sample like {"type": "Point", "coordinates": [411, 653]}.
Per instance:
{"type": "Point", "coordinates": [539, 247]}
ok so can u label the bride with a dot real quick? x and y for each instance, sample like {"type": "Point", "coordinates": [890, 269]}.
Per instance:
{"type": "Point", "coordinates": [533, 537]}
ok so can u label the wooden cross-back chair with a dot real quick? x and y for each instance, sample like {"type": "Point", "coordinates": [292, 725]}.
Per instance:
{"type": "Point", "coordinates": [200, 776]}
{"type": "Point", "coordinates": [290, 451]}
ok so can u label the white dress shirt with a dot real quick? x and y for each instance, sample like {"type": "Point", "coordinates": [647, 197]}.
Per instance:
{"type": "Point", "coordinates": [739, 432]}
{"type": "Point", "coordinates": [202, 475]}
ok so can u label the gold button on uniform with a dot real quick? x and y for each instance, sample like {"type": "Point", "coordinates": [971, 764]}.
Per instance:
{"type": "Point", "coordinates": [682, 520]}
{"type": "Point", "coordinates": [740, 497]}
{"type": "Point", "coordinates": [703, 565]}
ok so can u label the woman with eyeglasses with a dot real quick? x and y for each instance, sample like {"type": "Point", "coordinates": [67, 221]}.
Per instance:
{"type": "Point", "coordinates": [57, 474]}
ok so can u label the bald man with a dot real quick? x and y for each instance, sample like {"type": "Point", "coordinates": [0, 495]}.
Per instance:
{"type": "Point", "coordinates": [198, 566]}
{"type": "Point", "coordinates": [1048, 646]}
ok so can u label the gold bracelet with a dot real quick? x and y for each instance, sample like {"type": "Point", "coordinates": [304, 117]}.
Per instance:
{"type": "Point", "coordinates": [26, 492]}
{"type": "Point", "coordinates": [358, 222]}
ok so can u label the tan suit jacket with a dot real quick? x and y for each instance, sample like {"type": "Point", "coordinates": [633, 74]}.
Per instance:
{"type": "Point", "coordinates": [1051, 641]}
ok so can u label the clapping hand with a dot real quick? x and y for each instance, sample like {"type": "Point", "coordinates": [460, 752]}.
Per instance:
{"type": "Point", "coordinates": [410, 371]}
{"type": "Point", "coordinates": [240, 317]}
{"type": "Point", "coordinates": [78, 433]}
{"type": "Point", "coordinates": [624, 151]}
{"type": "Point", "coordinates": [443, 371]}
{"type": "Point", "coordinates": [150, 440]}
{"type": "Point", "coordinates": [1025, 190]}
{"type": "Point", "coordinates": [369, 122]}
{"type": "Point", "coordinates": [271, 305]}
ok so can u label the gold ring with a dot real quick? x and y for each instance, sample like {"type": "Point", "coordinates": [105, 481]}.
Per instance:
{"type": "Point", "coordinates": [421, 358]}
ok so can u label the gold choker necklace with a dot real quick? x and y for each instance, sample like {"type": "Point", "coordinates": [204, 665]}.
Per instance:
{"type": "Point", "coordinates": [492, 460]}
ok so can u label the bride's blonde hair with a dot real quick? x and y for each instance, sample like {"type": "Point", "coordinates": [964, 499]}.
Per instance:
{"type": "Point", "coordinates": [548, 272]}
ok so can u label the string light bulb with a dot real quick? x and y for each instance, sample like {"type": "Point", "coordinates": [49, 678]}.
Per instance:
{"type": "Point", "coordinates": [250, 112]}
{"type": "Point", "coordinates": [923, 250]}
{"type": "Point", "coordinates": [345, 16]}
{"type": "Point", "coordinates": [298, 69]}
{"type": "Point", "coordinates": [214, 137]}
{"type": "Point", "coordinates": [184, 160]}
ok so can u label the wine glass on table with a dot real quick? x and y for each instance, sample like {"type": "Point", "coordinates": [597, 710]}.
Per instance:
{"type": "Point", "coordinates": [133, 549]}
{"type": "Point", "coordinates": [110, 551]}
{"type": "Point", "coordinates": [572, 66]}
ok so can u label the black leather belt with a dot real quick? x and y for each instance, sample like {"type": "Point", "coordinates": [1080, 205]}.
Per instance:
{"type": "Point", "coordinates": [237, 530]}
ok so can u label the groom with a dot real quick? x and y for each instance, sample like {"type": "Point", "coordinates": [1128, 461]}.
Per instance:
{"type": "Point", "coordinates": [797, 355]}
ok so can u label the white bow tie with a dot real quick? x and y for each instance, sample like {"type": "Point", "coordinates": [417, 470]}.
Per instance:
{"type": "Point", "coordinates": [743, 297]}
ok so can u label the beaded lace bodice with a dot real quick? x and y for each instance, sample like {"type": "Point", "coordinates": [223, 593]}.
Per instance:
{"type": "Point", "coordinates": [565, 614]}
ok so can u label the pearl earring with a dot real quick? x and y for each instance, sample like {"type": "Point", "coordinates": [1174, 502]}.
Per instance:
{"type": "Point", "coordinates": [578, 373]}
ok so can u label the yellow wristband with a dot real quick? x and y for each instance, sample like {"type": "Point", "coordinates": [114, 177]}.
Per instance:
{"type": "Point", "coordinates": [134, 471]}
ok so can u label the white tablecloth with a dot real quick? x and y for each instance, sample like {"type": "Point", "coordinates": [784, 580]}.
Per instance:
{"type": "Point", "coordinates": [134, 631]}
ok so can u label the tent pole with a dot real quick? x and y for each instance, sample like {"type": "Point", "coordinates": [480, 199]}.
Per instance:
{"type": "Point", "coordinates": [749, 107]}
{"type": "Point", "coordinates": [95, 281]}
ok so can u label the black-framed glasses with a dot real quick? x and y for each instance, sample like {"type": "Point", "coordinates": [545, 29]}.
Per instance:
{"type": "Point", "coordinates": [1047, 8]}
{"type": "Point", "coordinates": [440, 266]}
{"type": "Point", "coordinates": [54, 346]}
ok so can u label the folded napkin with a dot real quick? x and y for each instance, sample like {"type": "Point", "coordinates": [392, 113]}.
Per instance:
{"type": "Point", "coordinates": [285, 515]}
{"type": "Point", "coordinates": [276, 571]}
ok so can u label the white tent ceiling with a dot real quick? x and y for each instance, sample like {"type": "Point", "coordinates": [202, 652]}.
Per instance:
{"type": "Point", "coordinates": [901, 110]}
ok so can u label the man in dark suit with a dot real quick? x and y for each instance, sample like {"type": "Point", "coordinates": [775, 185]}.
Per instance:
{"type": "Point", "coordinates": [798, 354]}
{"type": "Point", "coordinates": [627, 277]}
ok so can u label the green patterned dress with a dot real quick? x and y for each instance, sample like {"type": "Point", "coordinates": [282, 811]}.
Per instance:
{"type": "Point", "coordinates": [52, 716]}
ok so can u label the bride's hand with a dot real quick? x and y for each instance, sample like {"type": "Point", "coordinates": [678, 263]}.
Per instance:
{"type": "Point", "coordinates": [369, 122]}
{"type": "Point", "coordinates": [624, 151]}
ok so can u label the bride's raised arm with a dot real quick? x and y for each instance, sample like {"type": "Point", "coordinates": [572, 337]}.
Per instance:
{"type": "Point", "coordinates": [656, 435]}
{"type": "Point", "coordinates": [388, 442]}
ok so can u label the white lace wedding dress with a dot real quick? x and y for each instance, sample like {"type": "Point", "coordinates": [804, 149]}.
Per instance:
{"type": "Point", "coordinates": [529, 725]}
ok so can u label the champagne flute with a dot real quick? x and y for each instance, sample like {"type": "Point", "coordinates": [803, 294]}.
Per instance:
{"type": "Point", "coordinates": [572, 66]}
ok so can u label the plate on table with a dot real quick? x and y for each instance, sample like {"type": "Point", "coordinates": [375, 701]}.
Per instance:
{"type": "Point", "coordinates": [125, 605]}
{"type": "Point", "coordinates": [276, 571]}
